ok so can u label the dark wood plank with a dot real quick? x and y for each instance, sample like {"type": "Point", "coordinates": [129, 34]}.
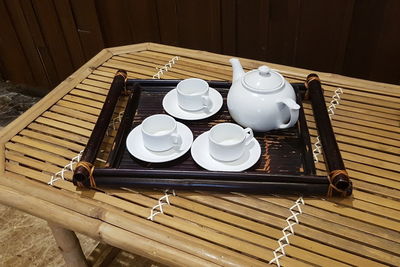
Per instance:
{"type": "Point", "coordinates": [168, 22]}
{"type": "Point", "coordinates": [70, 32]}
{"type": "Point", "coordinates": [13, 60]}
{"type": "Point", "coordinates": [142, 20]}
{"type": "Point", "coordinates": [34, 61]}
{"type": "Point", "coordinates": [199, 24]}
{"type": "Point", "coordinates": [41, 46]}
{"type": "Point", "coordinates": [284, 22]}
{"type": "Point", "coordinates": [322, 32]}
{"type": "Point", "coordinates": [114, 22]}
{"type": "Point", "coordinates": [343, 36]}
{"type": "Point", "coordinates": [228, 27]}
{"type": "Point", "coordinates": [53, 36]}
{"type": "Point", "coordinates": [89, 30]}
{"type": "Point", "coordinates": [387, 50]}
{"type": "Point", "coordinates": [48, 39]}
{"type": "Point", "coordinates": [252, 28]}
{"type": "Point", "coordinates": [363, 42]}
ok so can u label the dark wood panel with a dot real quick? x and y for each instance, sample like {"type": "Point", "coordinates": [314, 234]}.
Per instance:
{"type": "Point", "coordinates": [364, 37]}
{"type": "Point", "coordinates": [33, 60]}
{"type": "Point", "coordinates": [88, 27]}
{"type": "Point", "coordinates": [13, 60]}
{"type": "Point", "coordinates": [283, 27]}
{"type": "Point", "coordinates": [252, 28]}
{"type": "Point", "coordinates": [199, 24]}
{"type": "Point", "coordinates": [48, 39]}
{"type": "Point", "coordinates": [70, 32]}
{"type": "Point", "coordinates": [53, 36]}
{"type": "Point", "coordinates": [323, 29]}
{"type": "Point", "coordinates": [113, 18]}
{"type": "Point", "coordinates": [41, 46]}
{"type": "Point", "coordinates": [168, 22]}
{"type": "Point", "coordinates": [387, 54]}
{"type": "Point", "coordinates": [143, 20]}
{"type": "Point", "coordinates": [228, 27]}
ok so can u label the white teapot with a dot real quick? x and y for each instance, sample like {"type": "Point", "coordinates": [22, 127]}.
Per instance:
{"type": "Point", "coordinates": [261, 99]}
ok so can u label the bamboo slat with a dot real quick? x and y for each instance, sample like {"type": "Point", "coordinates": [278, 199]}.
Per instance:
{"type": "Point", "coordinates": [105, 232]}
{"type": "Point", "coordinates": [50, 131]}
{"type": "Point", "coordinates": [205, 228]}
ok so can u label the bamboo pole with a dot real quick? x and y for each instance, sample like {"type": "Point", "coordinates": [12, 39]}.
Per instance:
{"type": "Point", "coordinates": [103, 255]}
{"type": "Point", "coordinates": [69, 246]}
{"type": "Point", "coordinates": [108, 233]}
{"type": "Point", "coordinates": [340, 183]}
{"type": "Point", "coordinates": [119, 218]}
{"type": "Point", "coordinates": [84, 169]}
{"type": "Point", "coordinates": [128, 48]}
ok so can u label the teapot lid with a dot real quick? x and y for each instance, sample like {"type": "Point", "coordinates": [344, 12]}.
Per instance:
{"type": "Point", "coordinates": [263, 79]}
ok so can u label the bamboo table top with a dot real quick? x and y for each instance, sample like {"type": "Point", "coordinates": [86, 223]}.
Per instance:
{"type": "Point", "coordinates": [203, 228]}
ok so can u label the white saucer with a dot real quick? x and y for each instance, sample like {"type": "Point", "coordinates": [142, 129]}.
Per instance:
{"type": "Point", "coordinates": [135, 146]}
{"type": "Point", "coordinates": [201, 155]}
{"type": "Point", "coordinates": [170, 105]}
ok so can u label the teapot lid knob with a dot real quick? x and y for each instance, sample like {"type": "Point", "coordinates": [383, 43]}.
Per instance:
{"type": "Point", "coordinates": [264, 71]}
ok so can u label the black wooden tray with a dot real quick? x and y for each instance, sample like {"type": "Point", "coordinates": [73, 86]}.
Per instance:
{"type": "Point", "coordinates": [285, 167]}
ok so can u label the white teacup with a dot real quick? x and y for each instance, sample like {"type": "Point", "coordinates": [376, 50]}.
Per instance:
{"type": "Point", "coordinates": [227, 141]}
{"type": "Point", "coordinates": [160, 133]}
{"type": "Point", "coordinates": [193, 94]}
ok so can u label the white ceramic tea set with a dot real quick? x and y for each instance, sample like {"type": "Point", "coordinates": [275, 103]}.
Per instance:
{"type": "Point", "coordinates": [259, 100]}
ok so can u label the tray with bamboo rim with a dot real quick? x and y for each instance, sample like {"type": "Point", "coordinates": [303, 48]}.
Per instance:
{"type": "Point", "coordinates": [285, 167]}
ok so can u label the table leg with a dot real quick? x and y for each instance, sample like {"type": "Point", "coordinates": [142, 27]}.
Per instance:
{"type": "Point", "coordinates": [69, 246]}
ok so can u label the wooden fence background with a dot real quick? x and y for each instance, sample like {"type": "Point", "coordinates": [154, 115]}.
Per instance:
{"type": "Point", "coordinates": [43, 41]}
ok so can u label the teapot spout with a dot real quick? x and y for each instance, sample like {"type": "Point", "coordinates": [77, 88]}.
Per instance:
{"type": "Point", "coordinates": [237, 69]}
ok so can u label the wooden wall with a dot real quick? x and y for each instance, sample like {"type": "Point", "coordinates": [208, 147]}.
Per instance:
{"type": "Point", "coordinates": [43, 41]}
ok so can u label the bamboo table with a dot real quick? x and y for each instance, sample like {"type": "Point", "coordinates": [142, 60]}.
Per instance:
{"type": "Point", "coordinates": [203, 228]}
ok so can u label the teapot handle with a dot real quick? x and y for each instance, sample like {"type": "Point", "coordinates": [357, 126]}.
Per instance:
{"type": "Point", "coordinates": [294, 112]}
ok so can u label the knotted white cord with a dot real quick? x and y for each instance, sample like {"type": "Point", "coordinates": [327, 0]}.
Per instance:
{"type": "Point", "coordinates": [164, 200]}
{"type": "Point", "coordinates": [296, 208]}
{"type": "Point", "coordinates": [291, 221]}
{"type": "Point", "coordinates": [69, 167]}
{"type": "Point", "coordinates": [165, 68]}
{"type": "Point", "coordinates": [157, 209]}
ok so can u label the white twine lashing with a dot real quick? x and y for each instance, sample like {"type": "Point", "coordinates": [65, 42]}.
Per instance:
{"type": "Point", "coordinates": [164, 200]}
{"type": "Point", "coordinates": [291, 221]}
{"type": "Point", "coordinates": [334, 102]}
{"type": "Point", "coordinates": [114, 122]}
{"type": "Point", "coordinates": [69, 167]}
{"type": "Point", "coordinates": [317, 150]}
{"type": "Point", "coordinates": [296, 208]}
{"type": "Point", "coordinates": [165, 68]}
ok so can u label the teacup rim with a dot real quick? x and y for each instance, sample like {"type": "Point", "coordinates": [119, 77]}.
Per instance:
{"type": "Point", "coordinates": [226, 145]}
{"type": "Point", "coordinates": [159, 115]}
{"type": "Point", "coordinates": [196, 94]}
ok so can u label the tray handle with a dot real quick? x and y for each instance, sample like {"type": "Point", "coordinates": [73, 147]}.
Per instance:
{"type": "Point", "coordinates": [340, 183]}
{"type": "Point", "coordinates": [83, 174]}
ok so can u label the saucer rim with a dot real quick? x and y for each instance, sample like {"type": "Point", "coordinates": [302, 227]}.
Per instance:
{"type": "Point", "coordinates": [204, 135]}
{"type": "Point", "coordinates": [162, 159]}
{"type": "Point", "coordinates": [173, 114]}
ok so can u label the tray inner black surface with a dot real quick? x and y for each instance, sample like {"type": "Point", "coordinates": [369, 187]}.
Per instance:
{"type": "Point", "coordinates": [283, 151]}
